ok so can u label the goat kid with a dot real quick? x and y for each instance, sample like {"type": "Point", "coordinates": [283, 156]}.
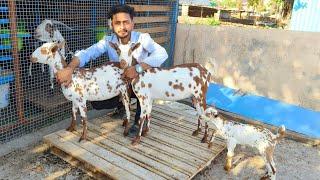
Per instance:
{"type": "Point", "coordinates": [94, 84]}
{"type": "Point", "coordinates": [244, 134]}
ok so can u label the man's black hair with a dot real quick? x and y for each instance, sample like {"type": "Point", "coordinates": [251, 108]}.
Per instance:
{"type": "Point", "coordinates": [121, 8]}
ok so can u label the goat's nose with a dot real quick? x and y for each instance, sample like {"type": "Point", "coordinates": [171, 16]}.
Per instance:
{"type": "Point", "coordinates": [33, 59]}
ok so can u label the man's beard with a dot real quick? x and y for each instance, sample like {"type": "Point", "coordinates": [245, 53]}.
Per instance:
{"type": "Point", "coordinates": [123, 37]}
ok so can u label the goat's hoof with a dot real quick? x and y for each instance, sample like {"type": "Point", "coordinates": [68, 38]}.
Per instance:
{"type": "Point", "coordinates": [265, 177]}
{"type": "Point", "coordinates": [227, 168]}
{"type": "Point", "coordinates": [70, 129]}
{"type": "Point", "coordinates": [145, 132]}
{"type": "Point", "coordinates": [136, 141]}
{"type": "Point", "coordinates": [196, 132]}
{"type": "Point", "coordinates": [204, 140]}
{"type": "Point", "coordinates": [125, 123]}
{"type": "Point", "coordinates": [210, 145]}
{"type": "Point", "coordinates": [126, 132]}
{"type": "Point", "coordinates": [83, 137]}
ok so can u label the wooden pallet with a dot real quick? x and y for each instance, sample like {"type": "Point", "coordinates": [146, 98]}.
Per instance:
{"type": "Point", "coordinates": [168, 152]}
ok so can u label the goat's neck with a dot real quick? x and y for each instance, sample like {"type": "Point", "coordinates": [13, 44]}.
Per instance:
{"type": "Point", "coordinates": [58, 65]}
{"type": "Point", "coordinates": [218, 122]}
{"type": "Point", "coordinates": [125, 48]}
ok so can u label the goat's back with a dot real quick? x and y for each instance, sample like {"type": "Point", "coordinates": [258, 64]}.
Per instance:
{"type": "Point", "coordinates": [173, 83]}
{"type": "Point", "coordinates": [99, 83]}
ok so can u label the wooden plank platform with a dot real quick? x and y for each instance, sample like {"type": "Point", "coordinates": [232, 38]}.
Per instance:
{"type": "Point", "coordinates": [168, 152]}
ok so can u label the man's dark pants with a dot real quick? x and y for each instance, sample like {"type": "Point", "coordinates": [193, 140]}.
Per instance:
{"type": "Point", "coordinates": [116, 103]}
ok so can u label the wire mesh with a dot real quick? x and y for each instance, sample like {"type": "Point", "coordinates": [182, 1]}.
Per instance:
{"type": "Point", "coordinates": [27, 101]}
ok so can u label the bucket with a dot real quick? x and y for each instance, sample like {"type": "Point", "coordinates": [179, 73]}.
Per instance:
{"type": "Point", "coordinates": [5, 78]}
{"type": "Point", "coordinates": [4, 95]}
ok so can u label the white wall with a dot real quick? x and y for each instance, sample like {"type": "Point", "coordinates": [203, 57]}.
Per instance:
{"type": "Point", "coordinates": [279, 64]}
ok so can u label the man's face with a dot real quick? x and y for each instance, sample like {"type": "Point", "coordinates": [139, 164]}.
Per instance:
{"type": "Point", "coordinates": [122, 24]}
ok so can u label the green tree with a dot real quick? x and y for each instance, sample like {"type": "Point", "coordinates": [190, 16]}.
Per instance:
{"type": "Point", "coordinates": [228, 3]}
{"type": "Point", "coordinates": [239, 4]}
{"type": "Point", "coordinates": [213, 3]}
{"type": "Point", "coordinates": [257, 5]}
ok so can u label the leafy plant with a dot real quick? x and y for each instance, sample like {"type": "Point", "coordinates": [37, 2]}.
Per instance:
{"type": "Point", "coordinates": [208, 21]}
{"type": "Point", "coordinates": [224, 3]}
{"type": "Point", "coordinates": [213, 22]}
{"type": "Point", "coordinates": [213, 3]}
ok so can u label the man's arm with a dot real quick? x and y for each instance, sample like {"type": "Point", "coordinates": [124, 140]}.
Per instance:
{"type": "Point", "coordinates": [157, 54]}
{"type": "Point", "coordinates": [64, 76]}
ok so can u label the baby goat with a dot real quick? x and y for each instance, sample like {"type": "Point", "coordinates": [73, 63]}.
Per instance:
{"type": "Point", "coordinates": [94, 84]}
{"type": "Point", "coordinates": [244, 134]}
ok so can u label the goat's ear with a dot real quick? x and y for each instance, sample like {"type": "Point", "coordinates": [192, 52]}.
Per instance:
{"type": "Point", "coordinates": [49, 29]}
{"type": "Point", "coordinates": [54, 48]}
{"type": "Point", "coordinates": [135, 46]}
{"type": "Point", "coordinates": [62, 44]}
{"type": "Point", "coordinates": [115, 47]}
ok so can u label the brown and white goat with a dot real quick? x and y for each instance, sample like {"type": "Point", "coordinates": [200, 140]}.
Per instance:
{"type": "Point", "coordinates": [170, 84]}
{"type": "Point", "coordinates": [94, 84]}
{"type": "Point", "coordinates": [244, 134]}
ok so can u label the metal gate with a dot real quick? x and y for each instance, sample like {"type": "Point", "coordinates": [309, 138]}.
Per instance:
{"type": "Point", "coordinates": [28, 101]}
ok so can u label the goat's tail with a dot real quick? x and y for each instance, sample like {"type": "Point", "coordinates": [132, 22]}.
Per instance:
{"type": "Point", "coordinates": [281, 133]}
{"type": "Point", "coordinates": [210, 78]}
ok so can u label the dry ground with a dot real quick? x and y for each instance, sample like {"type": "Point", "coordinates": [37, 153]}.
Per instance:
{"type": "Point", "coordinates": [293, 160]}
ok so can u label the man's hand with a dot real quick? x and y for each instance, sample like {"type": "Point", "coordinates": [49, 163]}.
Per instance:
{"type": "Point", "coordinates": [145, 66]}
{"type": "Point", "coordinates": [64, 76]}
{"type": "Point", "coordinates": [130, 73]}
{"type": "Point", "coordinates": [123, 64]}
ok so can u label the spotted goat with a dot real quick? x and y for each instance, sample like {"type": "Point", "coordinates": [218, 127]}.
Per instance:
{"type": "Point", "coordinates": [244, 134]}
{"type": "Point", "coordinates": [93, 84]}
{"type": "Point", "coordinates": [171, 84]}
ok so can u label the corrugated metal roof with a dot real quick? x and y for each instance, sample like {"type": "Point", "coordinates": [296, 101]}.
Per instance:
{"type": "Point", "coordinates": [195, 2]}
{"type": "Point", "coordinates": [306, 16]}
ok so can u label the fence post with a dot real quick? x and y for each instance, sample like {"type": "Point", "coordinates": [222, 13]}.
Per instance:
{"type": "Point", "coordinates": [173, 32]}
{"type": "Point", "coordinates": [16, 61]}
